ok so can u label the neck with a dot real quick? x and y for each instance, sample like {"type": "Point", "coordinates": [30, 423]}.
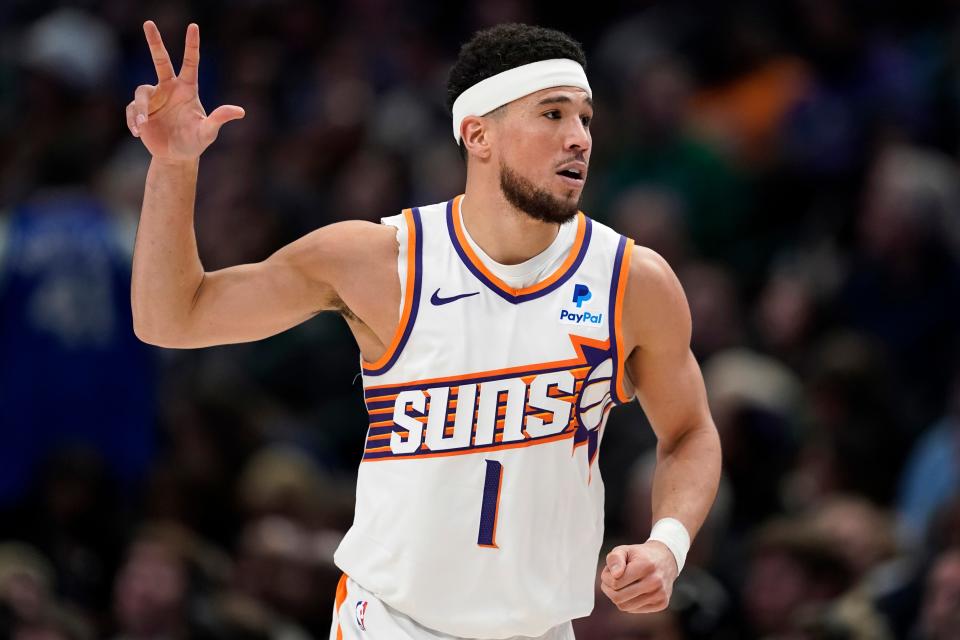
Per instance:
{"type": "Point", "coordinates": [506, 234]}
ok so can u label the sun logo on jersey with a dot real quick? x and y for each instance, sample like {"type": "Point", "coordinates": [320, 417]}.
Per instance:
{"type": "Point", "coordinates": [594, 403]}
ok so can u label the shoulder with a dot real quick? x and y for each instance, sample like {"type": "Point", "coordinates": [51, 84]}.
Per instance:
{"type": "Point", "coordinates": [655, 309]}
{"type": "Point", "coordinates": [650, 272]}
{"type": "Point", "coordinates": [342, 244]}
{"type": "Point", "coordinates": [352, 236]}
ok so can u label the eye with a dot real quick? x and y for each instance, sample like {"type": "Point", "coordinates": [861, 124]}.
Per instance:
{"type": "Point", "coordinates": [586, 121]}
{"type": "Point", "coordinates": [553, 115]}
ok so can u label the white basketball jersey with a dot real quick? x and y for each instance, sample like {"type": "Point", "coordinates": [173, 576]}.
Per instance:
{"type": "Point", "coordinates": [479, 503]}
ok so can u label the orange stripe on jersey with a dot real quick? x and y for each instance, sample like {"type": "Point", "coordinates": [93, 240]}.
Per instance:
{"type": "Point", "coordinates": [373, 449]}
{"type": "Point", "coordinates": [386, 398]}
{"type": "Point", "coordinates": [578, 344]}
{"type": "Point", "coordinates": [556, 275]}
{"type": "Point", "coordinates": [622, 396]}
{"type": "Point", "coordinates": [407, 295]}
{"type": "Point", "coordinates": [338, 602]}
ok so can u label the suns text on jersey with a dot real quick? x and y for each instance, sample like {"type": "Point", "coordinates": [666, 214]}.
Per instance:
{"type": "Point", "coordinates": [501, 409]}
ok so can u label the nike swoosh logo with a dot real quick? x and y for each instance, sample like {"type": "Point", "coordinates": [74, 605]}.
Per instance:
{"type": "Point", "coordinates": [436, 300]}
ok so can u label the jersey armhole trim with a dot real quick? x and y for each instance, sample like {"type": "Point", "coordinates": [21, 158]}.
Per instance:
{"type": "Point", "coordinates": [412, 297]}
{"type": "Point", "coordinates": [618, 288]}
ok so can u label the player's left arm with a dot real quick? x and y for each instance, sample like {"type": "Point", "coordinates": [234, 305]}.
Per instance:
{"type": "Point", "coordinates": [656, 328]}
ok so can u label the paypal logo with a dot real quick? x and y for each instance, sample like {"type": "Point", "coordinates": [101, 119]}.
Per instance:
{"type": "Point", "coordinates": [583, 317]}
{"type": "Point", "coordinates": [581, 293]}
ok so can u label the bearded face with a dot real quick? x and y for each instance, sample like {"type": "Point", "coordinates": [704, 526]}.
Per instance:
{"type": "Point", "coordinates": [536, 202]}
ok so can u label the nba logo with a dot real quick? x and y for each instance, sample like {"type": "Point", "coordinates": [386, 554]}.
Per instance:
{"type": "Point", "coordinates": [581, 293]}
{"type": "Point", "coordinates": [361, 614]}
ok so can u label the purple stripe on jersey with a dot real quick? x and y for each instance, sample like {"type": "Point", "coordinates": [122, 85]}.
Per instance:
{"type": "Point", "coordinates": [588, 232]}
{"type": "Point", "coordinates": [612, 318]}
{"type": "Point", "coordinates": [418, 279]}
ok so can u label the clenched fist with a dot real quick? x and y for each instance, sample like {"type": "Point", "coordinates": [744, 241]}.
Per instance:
{"type": "Point", "coordinates": [639, 578]}
{"type": "Point", "coordinates": [168, 116]}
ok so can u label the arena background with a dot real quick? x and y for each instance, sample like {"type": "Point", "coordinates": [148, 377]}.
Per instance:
{"type": "Point", "coordinates": [796, 163]}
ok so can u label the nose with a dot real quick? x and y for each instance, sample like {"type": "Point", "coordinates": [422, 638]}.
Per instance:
{"type": "Point", "coordinates": [578, 137]}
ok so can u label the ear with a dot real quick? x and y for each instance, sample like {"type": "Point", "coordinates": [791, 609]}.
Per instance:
{"type": "Point", "coordinates": [475, 131]}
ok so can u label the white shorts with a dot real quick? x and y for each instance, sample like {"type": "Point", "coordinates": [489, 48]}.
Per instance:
{"type": "Point", "coordinates": [359, 615]}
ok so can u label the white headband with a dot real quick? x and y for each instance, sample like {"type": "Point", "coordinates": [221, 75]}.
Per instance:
{"type": "Point", "coordinates": [498, 90]}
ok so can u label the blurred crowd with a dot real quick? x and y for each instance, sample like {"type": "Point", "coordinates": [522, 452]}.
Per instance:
{"type": "Point", "coordinates": [796, 162]}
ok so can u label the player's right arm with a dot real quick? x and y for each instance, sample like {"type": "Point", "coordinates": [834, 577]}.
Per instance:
{"type": "Point", "coordinates": [175, 302]}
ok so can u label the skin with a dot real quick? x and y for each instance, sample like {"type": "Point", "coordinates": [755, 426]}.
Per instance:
{"type": "Point", "coordinates": [351, 267]}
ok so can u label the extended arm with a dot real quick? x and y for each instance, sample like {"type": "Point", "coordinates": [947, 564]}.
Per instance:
{"type": "Point", "coordinates": [175, 302]}
{"type": "Point", "coordinates": [670, 388]}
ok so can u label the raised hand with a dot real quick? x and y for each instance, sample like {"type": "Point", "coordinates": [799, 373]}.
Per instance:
{"type": "Point", "coordinates": [168, 116]}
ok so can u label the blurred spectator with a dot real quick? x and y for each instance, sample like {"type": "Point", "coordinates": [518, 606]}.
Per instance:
{"type": "Point", "coordinates": [27, 586]}
{"type": "Point", "coordinates": [655, 151]}
{"type": "Point", "coordinates": [931, 476]}
{"type": "Point", "coordinates": [791, 305]}
{"type": "Point", "coordinates": [944, 529]}
{"type": "Point", "coordinates": [753, 399]}
{"type": "Point", "coordinates": [940, 618]}
{"type": "Point", "coordinates": [903, 287]}
{"type": "Point", "coordinates": [280, 565]}
{"type": "Point", "coordinates": [283, 481]}
{"type": "Point", "coordinates": [714, 300]}
{"type": "Point", "coordinates": [654, 219]}
{"type": "Point", "coordinates": [792, 569]}
{"type": "Point", "coordinates": [857, 439]}
{"type": "Point", "coordinates": [745, 114]}
{"type": "Point", "coordinates": [26, 581]}
{"type": "Point", "coordinates": [862, 533]}
{"type": "Point", "coordinates": [166, 574]}
{"type": "Point", "coordinates": [71, 515]}
{"type": "Point", "coordinates": [72, 372]}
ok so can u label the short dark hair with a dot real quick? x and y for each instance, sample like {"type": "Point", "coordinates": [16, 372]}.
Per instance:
{"type": "Point", "coordinates": [504, 47]}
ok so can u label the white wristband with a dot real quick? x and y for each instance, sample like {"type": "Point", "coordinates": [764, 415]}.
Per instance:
{"type": "Point", "coordinates": [672, 533]}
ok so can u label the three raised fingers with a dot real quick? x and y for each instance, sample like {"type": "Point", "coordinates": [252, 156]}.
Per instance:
{"type": "Point", "coordinates": [161, 59]}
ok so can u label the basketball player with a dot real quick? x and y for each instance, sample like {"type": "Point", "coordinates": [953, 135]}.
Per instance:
{"type": "Point", "coordinates": [496, 331]}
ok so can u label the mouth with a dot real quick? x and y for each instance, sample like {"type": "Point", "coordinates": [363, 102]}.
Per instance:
{"type": "Point", "coordinates": [572, 177]}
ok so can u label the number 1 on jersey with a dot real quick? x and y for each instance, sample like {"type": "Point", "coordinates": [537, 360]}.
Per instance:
{"type": "Point", "coordinates": [490, 505]}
